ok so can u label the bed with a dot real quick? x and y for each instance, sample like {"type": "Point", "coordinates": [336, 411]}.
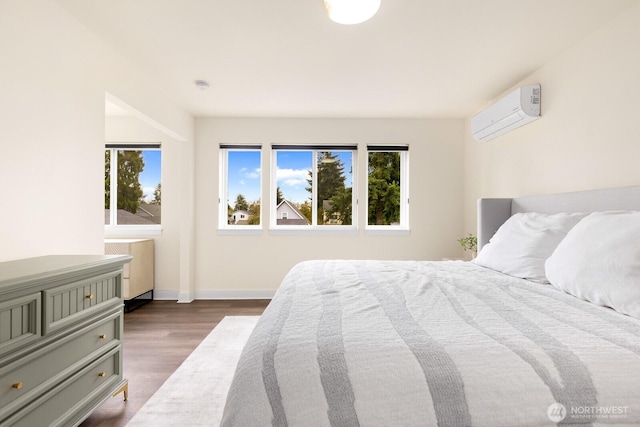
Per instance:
{"type": "Point", "coordinates": [417, 343]}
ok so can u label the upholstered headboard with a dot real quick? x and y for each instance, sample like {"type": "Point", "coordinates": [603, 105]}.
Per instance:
{"type": "Point", "coordinates": [492, 213]}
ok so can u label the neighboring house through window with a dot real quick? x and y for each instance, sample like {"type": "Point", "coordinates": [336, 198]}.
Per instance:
{"type": "Point", "coordinates": [239, 218]}
{"type": "Point", "coordinates": [133, 188]}
{"type": "Point", "coordinates": [288, 214]}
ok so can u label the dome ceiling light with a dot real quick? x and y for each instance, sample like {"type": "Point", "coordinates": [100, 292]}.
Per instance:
{"type": "Point", "coordinates": [350, 12]}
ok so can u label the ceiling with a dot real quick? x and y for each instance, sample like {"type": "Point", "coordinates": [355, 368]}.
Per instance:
{"type": "Point", "coordinates": [284, 58]}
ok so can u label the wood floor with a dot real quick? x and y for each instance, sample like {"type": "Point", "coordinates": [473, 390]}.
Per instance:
{"type": "Point", "coordinates": [158, 337]}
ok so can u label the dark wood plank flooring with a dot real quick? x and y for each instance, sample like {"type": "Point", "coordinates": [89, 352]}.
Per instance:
{"type": "Point", "coordinates": [158, 337]}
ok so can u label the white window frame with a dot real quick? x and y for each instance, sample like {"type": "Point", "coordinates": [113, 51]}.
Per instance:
{"type": "Point", "coordinates": [314, 227]}
{"type": "Point", "coordinates": [113, 229]}
{"type": "Point", "coordinates": [403, 227]}
{"type": "Point", "coordinates": [223, 200]}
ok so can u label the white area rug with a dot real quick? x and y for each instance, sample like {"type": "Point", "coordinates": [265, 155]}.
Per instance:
{"type": "Point", "coordinates": [195, 394]}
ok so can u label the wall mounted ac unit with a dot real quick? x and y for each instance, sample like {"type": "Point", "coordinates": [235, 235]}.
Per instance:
{"type": "Point", "coordinates": [518, 108]}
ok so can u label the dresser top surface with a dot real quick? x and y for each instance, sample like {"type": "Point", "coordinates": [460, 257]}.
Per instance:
{"type": "Point", "coordinates": [40, 267]}
{"type": "Point", "coordinates": [127, 240]}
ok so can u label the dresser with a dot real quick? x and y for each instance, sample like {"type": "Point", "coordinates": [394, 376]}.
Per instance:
{"type": "Point", "coordinates": [61, 323]}
{"type": "Point", "coordinates": [138, 275]}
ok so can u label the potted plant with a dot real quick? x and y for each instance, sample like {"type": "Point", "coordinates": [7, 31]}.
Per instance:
{"type": "Point", "coordinates": [469, 243]}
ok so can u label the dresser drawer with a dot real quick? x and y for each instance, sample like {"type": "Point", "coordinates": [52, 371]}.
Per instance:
{"type": "Point", "coordinates": [89, 386]}
{"type": "Point", "coordinates": [20, 321]}
{"type": "Point", "coordinates": [34, 374]}
{"type": "Point", "coordinates": [67, 304]}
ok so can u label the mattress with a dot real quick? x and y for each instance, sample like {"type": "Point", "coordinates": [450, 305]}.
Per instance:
{"type": "Point", "coordinates": [403, 343]}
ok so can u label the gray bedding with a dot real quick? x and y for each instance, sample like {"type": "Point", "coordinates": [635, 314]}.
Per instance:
{"type": "Point", "coordinates": [401, 343]}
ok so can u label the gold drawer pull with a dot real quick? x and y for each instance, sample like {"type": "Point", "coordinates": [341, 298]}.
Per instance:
{"type": "Point", "coordinates": [102, 374]}
{"type": "Point", "coordinates": [102, 336]}
{"type": "Point", "coordinates": [17, 386]}
{"type": "Point", "coordinates": [90, 296]}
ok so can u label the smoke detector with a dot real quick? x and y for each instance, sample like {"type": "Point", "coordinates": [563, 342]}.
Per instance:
{"type": "Point", "coordinates": [201, 84]}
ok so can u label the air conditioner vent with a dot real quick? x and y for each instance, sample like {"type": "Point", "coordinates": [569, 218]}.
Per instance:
{"type": "Point", "coordinates": [518, 108]}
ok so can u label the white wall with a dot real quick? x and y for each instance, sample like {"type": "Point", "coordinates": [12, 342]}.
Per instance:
{"type": "Point", "coordinates": [588, 135]}
{"type": "Point", "coordinates": [436, 159]}
{"type": "Point", "coordinates": [53, 80]}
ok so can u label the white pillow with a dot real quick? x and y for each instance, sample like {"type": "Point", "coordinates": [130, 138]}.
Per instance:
{"type": "Point", "coordinates": [524, 242]}
{"type": "Point", "coordinates": [599, 261]}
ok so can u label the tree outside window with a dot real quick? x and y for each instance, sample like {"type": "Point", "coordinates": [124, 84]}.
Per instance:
{"type": "Point", "coordinates": [387, 192]}
{"type": "Point", "coordinates": [334, 197]}
{"type": "Point", "coordinates": [132, 185]}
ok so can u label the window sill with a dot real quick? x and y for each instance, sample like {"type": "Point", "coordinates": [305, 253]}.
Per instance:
{"type": "Point", "coordinates": [387, 231]}
{"type": "Point", "coordinates": [240, 231]}
{"type": "Point", "coordinates": [308, 230]}
{"type": "Point", "coordinates": [132, 230]}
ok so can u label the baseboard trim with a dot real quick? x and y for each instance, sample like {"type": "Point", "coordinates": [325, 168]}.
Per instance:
{"type": "Point", "coordinates": [213, 294]}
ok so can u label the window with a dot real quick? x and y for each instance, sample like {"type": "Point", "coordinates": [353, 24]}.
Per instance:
{"type": "Point", "coordinates": [313, 185]}
{"type": "Point", "coordinates": [132, 184]}
{"type": "Point", "coordinates": [387, 187]}
{"type": "Point", "coordinates": [240, 186]}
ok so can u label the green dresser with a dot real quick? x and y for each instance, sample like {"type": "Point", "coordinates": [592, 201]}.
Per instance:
{"type": "Point", "coordinates": [61, 323]}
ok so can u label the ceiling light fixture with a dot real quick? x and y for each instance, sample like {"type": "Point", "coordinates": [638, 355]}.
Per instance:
{"type": "Point", "coordinates": [351, 11]}
{"type": "Point", "coordinates": [201, 84]}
